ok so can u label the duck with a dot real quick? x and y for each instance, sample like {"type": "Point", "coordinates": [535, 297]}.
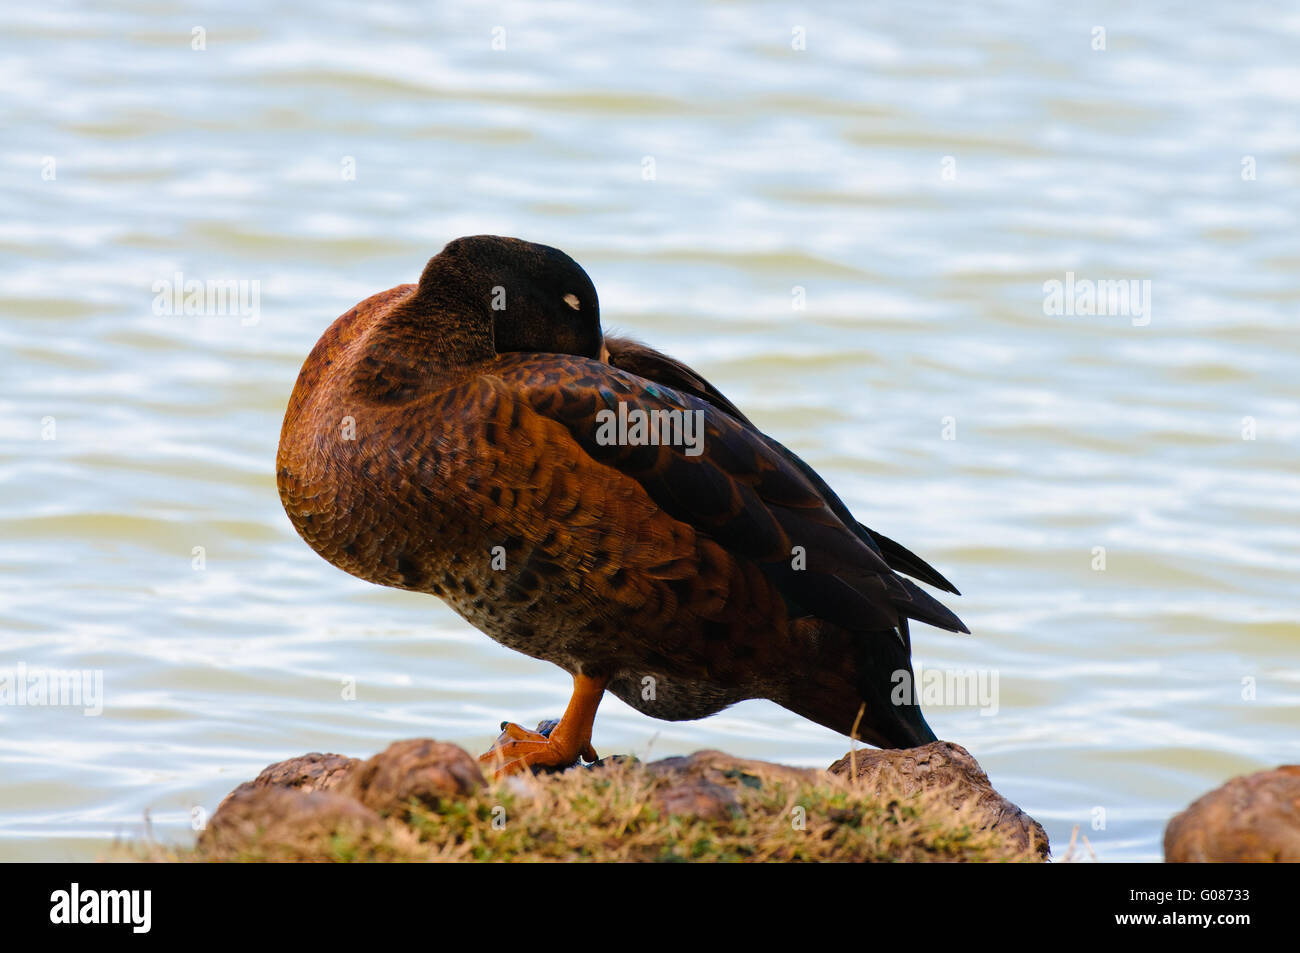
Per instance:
{"type": "Point", "coordinates": [457, 437]}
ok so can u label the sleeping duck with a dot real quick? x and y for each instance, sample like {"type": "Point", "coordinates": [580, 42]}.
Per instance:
{"type": "Point", "coordinates": [457, 437]}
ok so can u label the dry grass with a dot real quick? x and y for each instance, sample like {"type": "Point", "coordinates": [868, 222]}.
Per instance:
{"type": "Point", "coordinates": [609, 815]}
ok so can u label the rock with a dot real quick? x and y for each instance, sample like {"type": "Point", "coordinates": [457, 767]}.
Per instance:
{"type": "Point", "coordinates": [942, 765]}
{"type": "Point", "coordinates": [698, 799]}
{"type": "Point", "coordinates": [309, 772]}
{"type": "Point", "coordinates": [703, 784]}
{"type": "Point", "coordinates": [420, 768]}
{"type": "Point", "coordinates": [1251, 819]}
{"type": "Point", "coordinates": [293, 807]}
{"type": "Point", "coordinates": [284, 823]}
{"type": "Point", "coordinates": [717, 766]}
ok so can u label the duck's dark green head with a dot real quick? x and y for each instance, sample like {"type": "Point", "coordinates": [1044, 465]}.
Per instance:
{"type": "Point", "coordinates": [539, 299]}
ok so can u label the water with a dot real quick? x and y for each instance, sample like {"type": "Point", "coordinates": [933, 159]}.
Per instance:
{"type": "Point", "coordinates": [1121, 690]}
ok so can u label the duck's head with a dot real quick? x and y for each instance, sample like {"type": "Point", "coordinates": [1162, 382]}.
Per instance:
{"type": "Point", "coordinates": [537, 297]}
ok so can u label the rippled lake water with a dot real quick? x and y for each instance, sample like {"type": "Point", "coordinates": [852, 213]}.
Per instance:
{"type": "Point", "coordinates": [919, 175]}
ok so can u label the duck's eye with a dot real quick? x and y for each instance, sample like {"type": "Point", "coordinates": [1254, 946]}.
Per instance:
{"type": "Point", "coordinates": [572, 301]}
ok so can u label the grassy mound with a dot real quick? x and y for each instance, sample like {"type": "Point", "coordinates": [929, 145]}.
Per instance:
{"type": "Point", "coordinates": [621, 812]}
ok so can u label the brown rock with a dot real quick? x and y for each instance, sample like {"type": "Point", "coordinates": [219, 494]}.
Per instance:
{"type": "Point", "coordinates": [309, 772]}
{"type": "Point", "coordinates": [947, 766]}
{"type": "Point", "coordinates": [725, 769]}
{"type": "Point", "coordinates": [702, 799]}
{"type": "Point", "coordinates": [420, 768]}
{"type": "Point", "coordinates": [1251, 819]}
{"type": "Point", "coordinates": [703, 785]}
{"type": "Point", "coordinates": [284, 823]}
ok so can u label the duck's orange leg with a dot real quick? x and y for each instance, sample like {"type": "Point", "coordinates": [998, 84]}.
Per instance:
{"type": "Point", "coordinates": [518, 748]}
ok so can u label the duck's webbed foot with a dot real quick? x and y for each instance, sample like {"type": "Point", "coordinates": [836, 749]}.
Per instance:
{"type": "Point", "coordinates": [556, 744]}
{"type": "Point", "coordinates": [518, 748]}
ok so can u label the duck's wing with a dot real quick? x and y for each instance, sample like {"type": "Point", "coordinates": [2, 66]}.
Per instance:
{"type": "Point", "coordinates": [725, 480]}
{"type": "Point", "coordinates": [644, 361]}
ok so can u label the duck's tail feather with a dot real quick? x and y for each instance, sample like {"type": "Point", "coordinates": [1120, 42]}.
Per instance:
{"type": "Point", "coordinates": [901, 559]}
{"type": "Point", "coordinates": [926, 608]}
